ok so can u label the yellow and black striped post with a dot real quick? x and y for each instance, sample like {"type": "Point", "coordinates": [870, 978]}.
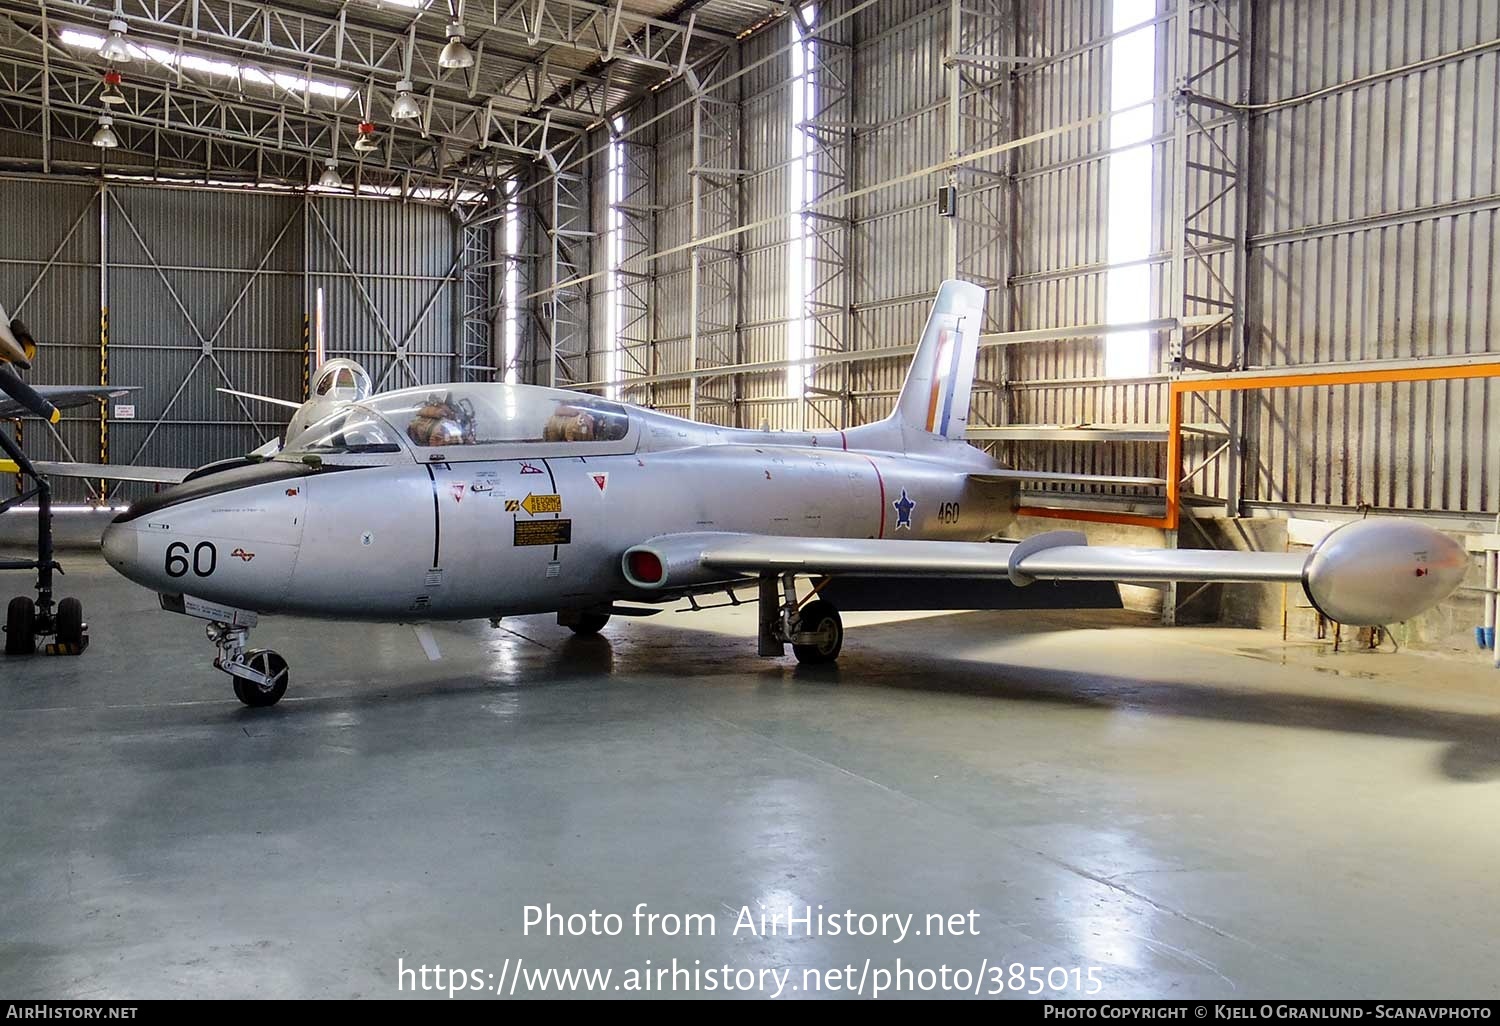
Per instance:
{"type": "Point", "coordinates": [306, 357]}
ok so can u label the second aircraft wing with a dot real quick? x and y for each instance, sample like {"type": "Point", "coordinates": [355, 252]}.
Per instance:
{"type": "Point", "coordinates": [64, 397]}
{"type": "Point", "coordinates": [113, 472]}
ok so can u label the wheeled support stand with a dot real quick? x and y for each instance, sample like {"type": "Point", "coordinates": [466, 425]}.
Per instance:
{"type": "Point", "coordinates": [260, 675]}
{"type": "Point", "coordinates": [27, 621]}
{"type": "Point", "coordinates": [813, 628]}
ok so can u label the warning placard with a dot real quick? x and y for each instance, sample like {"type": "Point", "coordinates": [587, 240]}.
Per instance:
{"type": "Point", "coordinates": [544, 532]}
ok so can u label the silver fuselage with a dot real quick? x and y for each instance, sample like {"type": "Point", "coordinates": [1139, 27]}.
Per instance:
{"type": "Point", "coordinates": [494, 531]}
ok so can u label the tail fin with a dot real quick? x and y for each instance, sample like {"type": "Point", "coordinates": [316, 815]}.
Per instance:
{"type": "Point", "coordinates": [935, 397]}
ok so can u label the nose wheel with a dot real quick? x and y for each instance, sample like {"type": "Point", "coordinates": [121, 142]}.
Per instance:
{"type": "Point", "coordinates": [260, 675]}
{"type": "Point", "coordinates": [272, 671]}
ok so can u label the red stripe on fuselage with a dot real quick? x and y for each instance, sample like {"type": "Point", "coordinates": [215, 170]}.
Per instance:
{"type": "Point", "coordinates": [881, 481]}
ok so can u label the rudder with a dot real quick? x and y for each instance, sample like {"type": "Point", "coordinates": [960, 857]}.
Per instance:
{"type": "Point", "coordinates": [935, 397]}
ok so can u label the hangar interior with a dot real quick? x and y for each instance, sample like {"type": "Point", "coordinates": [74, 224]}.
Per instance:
{"type": "Point", "coordinates": [1239, 258]}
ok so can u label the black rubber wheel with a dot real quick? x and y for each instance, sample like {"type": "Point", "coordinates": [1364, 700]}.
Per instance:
{"type": "Point", "coordinates": [70, 622]}
{"type": "Point", "coordinates": [20, 622]}
{"type": "Point", "coordinates": [589, 623]}
{"type": "Point", "coordinates": [820, 618]}
{"type": "Point", "coordinates": [263, 660]}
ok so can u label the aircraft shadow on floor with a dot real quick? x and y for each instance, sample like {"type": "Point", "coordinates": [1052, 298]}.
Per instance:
{"type": "Point", "coordinates": [1473, 740]}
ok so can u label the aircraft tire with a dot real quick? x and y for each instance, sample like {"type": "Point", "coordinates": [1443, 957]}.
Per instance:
{"type": "Point", "coordinates": [70, 622]}
{"type": "Point", "coordinates": [271, 664]}
{"type": "Point", "coordinates": [820, 617]}
{"type": "Point", "coordinates": [589, 624]}
{"type": "Point", "coordinates": [20, 622]}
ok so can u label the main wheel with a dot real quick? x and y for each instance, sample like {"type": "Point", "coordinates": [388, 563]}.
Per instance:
{"type": "Point", "coordinates": [263, 660]}
{"type": "Point", "coordinates": [20, 622]}
{"type": "Point", "coordinates": [589, 623]}
{"type": "Point", "coordinates": [70, 622]}
{"type": "Point", "coordinates": [819, 618]}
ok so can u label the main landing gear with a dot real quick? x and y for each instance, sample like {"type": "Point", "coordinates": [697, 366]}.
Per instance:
{"type": "Point", "coordinates": [260, 675]}
{"type": "Point", "coordinates": [812, 627]}
{"type": "Point", "coordinates": [27, 620]}
{"type": "Point", "coordinates": [584, 624]}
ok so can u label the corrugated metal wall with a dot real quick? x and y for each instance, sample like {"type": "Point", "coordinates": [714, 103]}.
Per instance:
{"type": "Point", "coordinates": [900, 242]}
{"type": "Point", "coordinates": [209, 289]}
{"type": "Point", "coordinates": [1375, 237]}
{"type": "Point", "coordinates": [189, 314]}
{"type": "Point", "coordinates": [1370, 220]}
{"type": "Point", "coordinates": [1059, 278]}
{"type": "Point", "coordinates": [49, 278]}
{"type": "Point", "coordinates": [766, 126]}
{"type": "Point", "coordinates": [673, 280]}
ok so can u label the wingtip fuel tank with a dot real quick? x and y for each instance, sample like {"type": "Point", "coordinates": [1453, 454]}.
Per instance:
{"type": "Point", "coordinates": [1375, 572]}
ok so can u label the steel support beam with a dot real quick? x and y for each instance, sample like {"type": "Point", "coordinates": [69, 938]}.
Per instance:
{"type": "Point", "coordinates": [477, 359]}
{"type": "Point", "coordinates": [633, 222]}
{"type": "Point", "coordinates": [564, 312]}
{"type": "Point", "coordinates": [714, 271]}
{"type": "Point", "coordinates": [827, 237]}
{"type": "Point", "coordinates": [981, 115]}
{"type": "Point", "coordinates": [359, 41]}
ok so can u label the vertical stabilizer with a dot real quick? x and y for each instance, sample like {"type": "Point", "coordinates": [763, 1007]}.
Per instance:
{"type": "Point", "coordinates": [935, 398]}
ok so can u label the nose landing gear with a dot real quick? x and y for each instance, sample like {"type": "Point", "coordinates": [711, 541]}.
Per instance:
{"type": "Point", "coordinates": [260, 675]}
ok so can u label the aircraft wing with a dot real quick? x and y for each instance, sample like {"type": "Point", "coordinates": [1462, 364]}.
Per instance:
{"type": "Point", "coordinates": [111, 472]}
{"type": "Point", "coordinates": [1066, 557]}
{"type": "Point", "coordinates": [1369, 572]}
{"type": "Point", "coordinates": [64, 397]}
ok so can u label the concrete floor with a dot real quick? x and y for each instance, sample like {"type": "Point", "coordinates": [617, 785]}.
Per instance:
{"type": "Point", "coordinates": [1197, 812]}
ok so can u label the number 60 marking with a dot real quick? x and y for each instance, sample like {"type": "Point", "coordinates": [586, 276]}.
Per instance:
{"type": "Point", "coordinates": [205, 559]}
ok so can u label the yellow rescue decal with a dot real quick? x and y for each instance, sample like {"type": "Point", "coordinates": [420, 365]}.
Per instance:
{"type": "Point", "coordinates": [538, 504]}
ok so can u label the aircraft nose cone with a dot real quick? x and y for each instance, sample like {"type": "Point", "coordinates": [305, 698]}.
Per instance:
{"type": "Point", "coordinates": [121, 545]}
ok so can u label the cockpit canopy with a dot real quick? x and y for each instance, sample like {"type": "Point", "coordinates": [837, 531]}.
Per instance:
{"type": "Point", "coordinates": [501, 415]}
{"type": "Point", "coordinates": [470, 421]}
{"type": "Point", "coordinates": [341, 379]}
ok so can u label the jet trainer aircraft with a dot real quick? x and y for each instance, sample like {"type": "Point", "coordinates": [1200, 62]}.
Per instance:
{"type": "Point", "coordinates": [468, 501]}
